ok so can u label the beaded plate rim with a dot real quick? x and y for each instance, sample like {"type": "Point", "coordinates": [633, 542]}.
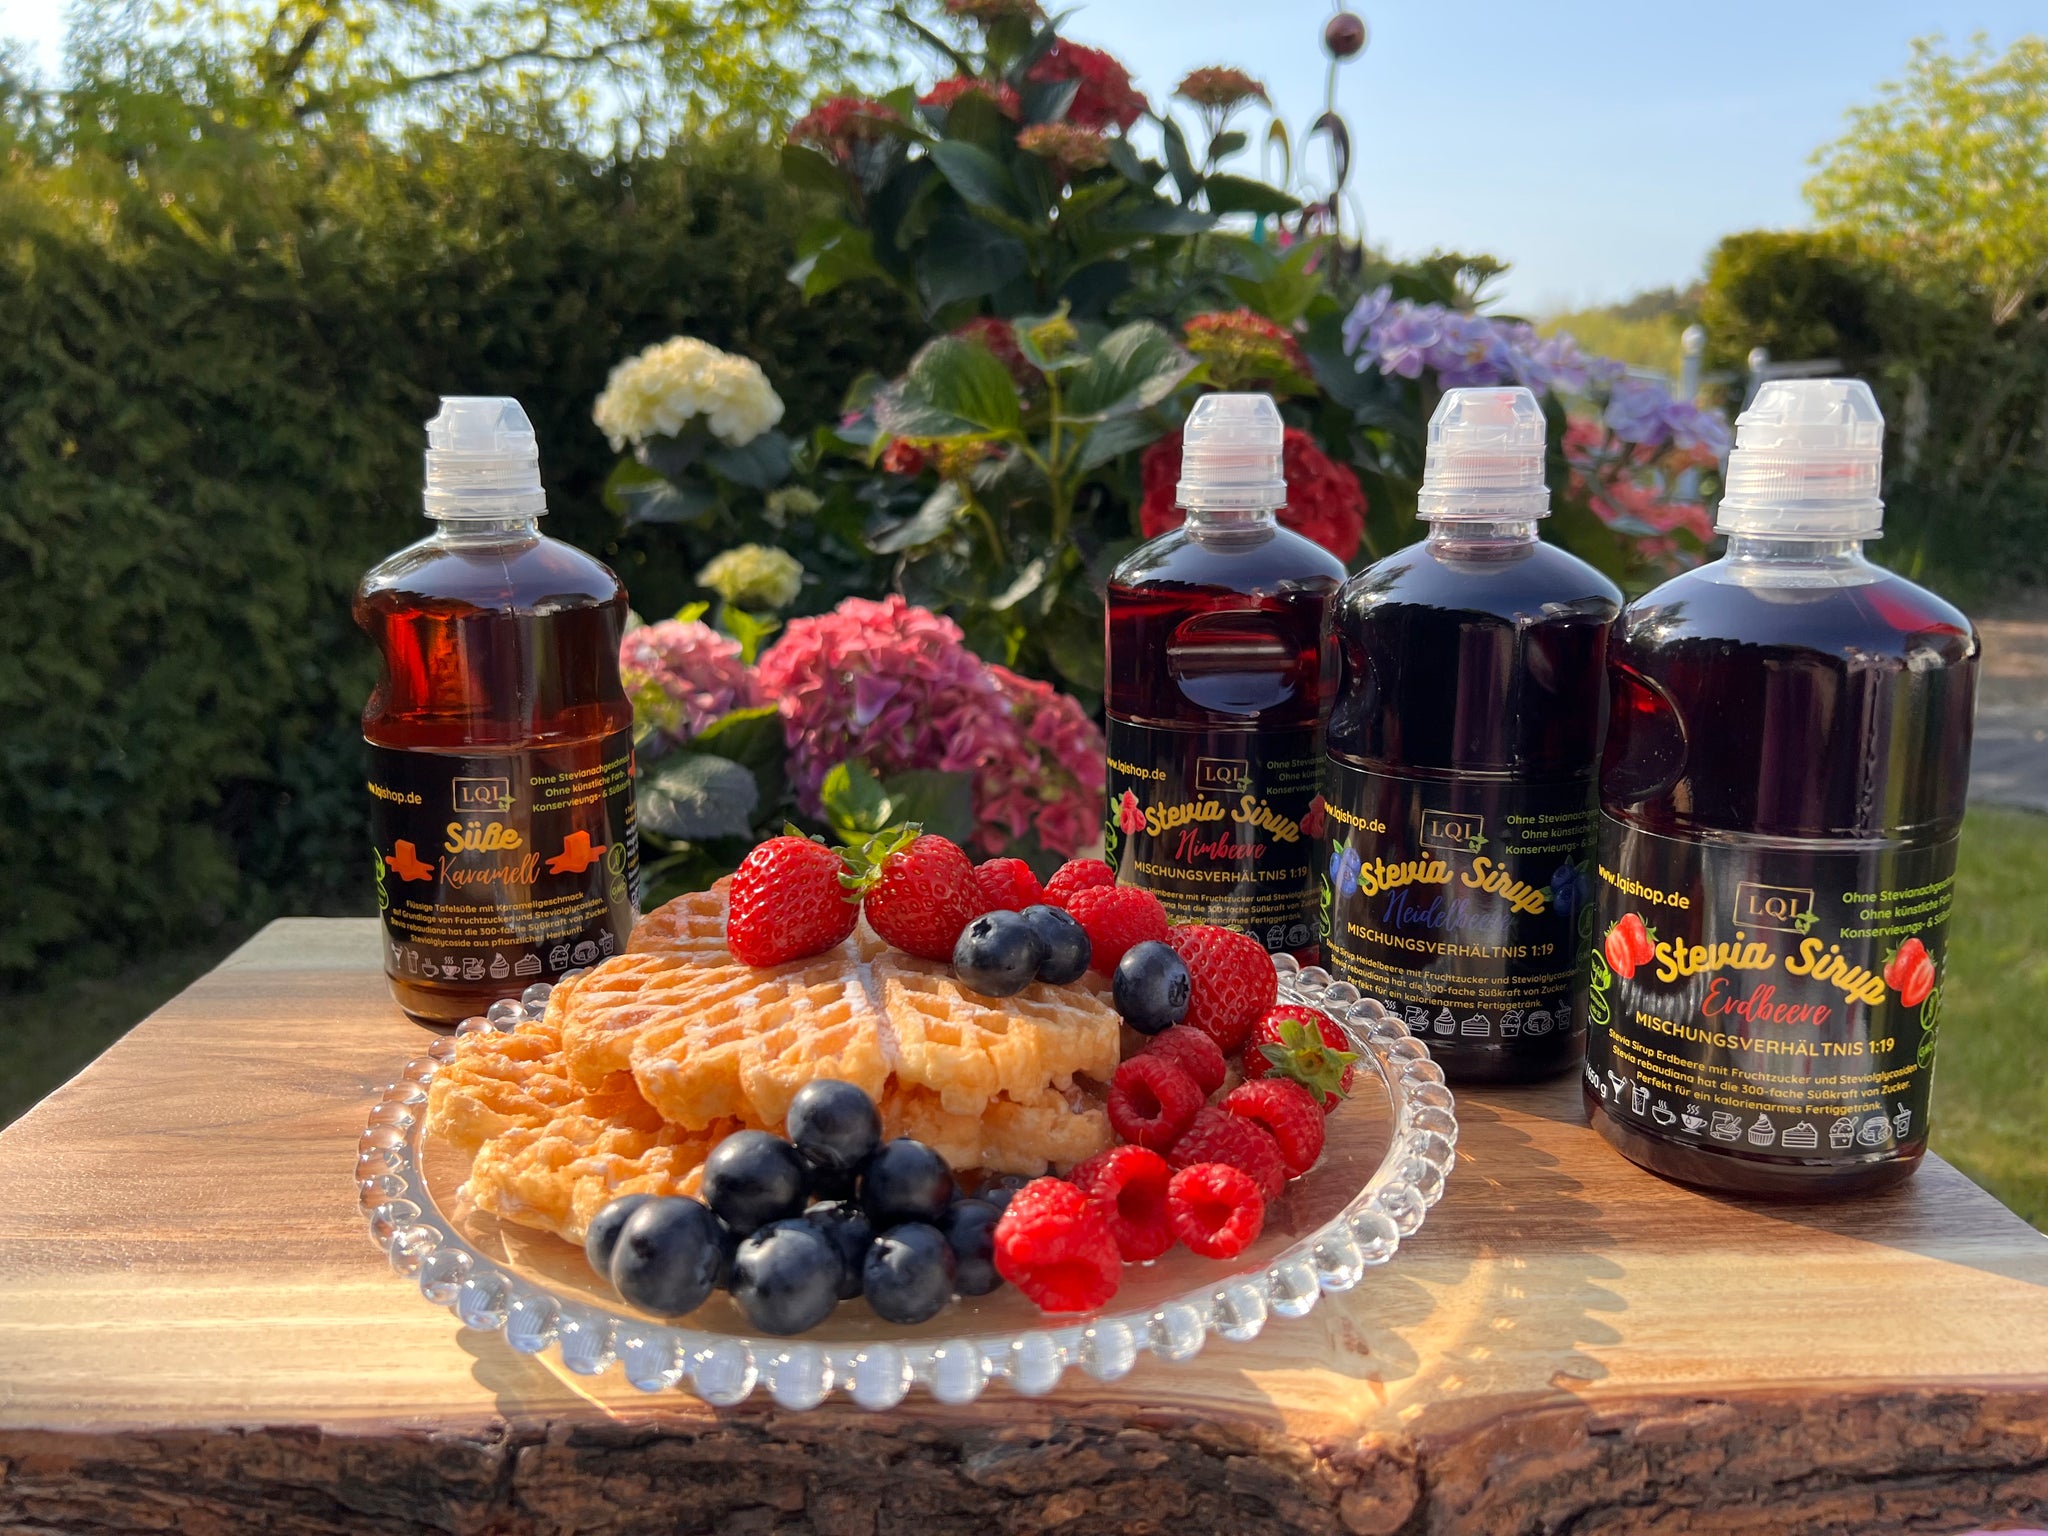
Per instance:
{"type": "Point", "coordinates": [424, 1245]}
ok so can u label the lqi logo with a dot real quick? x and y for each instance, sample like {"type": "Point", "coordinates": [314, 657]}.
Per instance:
{"type": "Point", "coordinates": [1463, 831]}
{"type": "Point", "coordinates": [491, 795]}
{"type": "Point", "coordinates": [1787, 909]}
{"type": "Point", "coordinates": [1222, 775]}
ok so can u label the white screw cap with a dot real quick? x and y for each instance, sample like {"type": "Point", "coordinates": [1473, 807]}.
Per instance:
{"type": "Point", "coordinates": [1230, 454]}
{"type": "Point", "coordinates": [1807, 462]}
{"type": "Point", "coordinates": [482, 460]}
{"type": "Point", "coordinates": [1484, 461]}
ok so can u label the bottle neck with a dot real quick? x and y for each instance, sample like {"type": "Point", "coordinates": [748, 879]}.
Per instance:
{"type": "Point", "coordinates": [1229, 517]}
{"type": "Point", "coordinates": [467, 531]}
{"type": "Point", "coordinates": [1465, 533]}
{"type": "Point", "coordinates": [1763, 549]}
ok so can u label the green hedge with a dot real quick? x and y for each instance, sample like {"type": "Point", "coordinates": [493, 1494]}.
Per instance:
{"type": "Point", "coordinates": [1965, 400]}
{"type": "Point", "coordinates": [213, 379]}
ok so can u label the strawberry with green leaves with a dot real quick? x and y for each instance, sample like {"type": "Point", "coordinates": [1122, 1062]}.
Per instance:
{"type": "Point", "coordinates": [1630, 943]}
{"type": "Point", "coordinates": [918, 890]}
{"type": "Point", "coordinates": [1306, 1045]}
{"type": "Point", "coordinates": [788, 901]}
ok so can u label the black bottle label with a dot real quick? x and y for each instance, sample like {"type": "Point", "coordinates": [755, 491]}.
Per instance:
{"type": "Point", "coordinates": [1463, 905]}
{"type": "Point", "coordinates": [1769, 998]}
{"type": "Point", "coordinates": [1211, 822]}
{"type": "Point", "coordinates": [506, 866]}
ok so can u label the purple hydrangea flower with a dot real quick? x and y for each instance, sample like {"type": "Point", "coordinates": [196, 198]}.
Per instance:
{"type": "Point", "coordinates": [1636, 412]}
{"type": "Point", "coordinates": [1364, 316]}
{"type": "Point", "coordinates": [1693, 428]}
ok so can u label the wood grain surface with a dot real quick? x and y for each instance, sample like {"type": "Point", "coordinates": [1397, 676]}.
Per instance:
{"type": "Point", "coordinates": [196, 1335]}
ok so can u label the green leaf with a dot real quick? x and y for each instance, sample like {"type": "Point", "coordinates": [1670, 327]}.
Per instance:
{"type": "Point", "coordinates": [831, 252]}
{"type": "Point", "coordinates": [940, 802]}
{"type": "Point", "coordinates": [1133, 369]}
{"type": "Point", "coordinates": [1240, 194]}
{"type": "Point", "coordinates": [1048, 101]}
{"type": "Point", "coordinates": [1093, 288]}
{"type": "Point", "coordinates": [855, 803]}
{"type": "Point", "coordinates": [1027, 581]}
{"type": "Point", "coordinates": [1157, 217]}
{"type": "Point", "coordinates": [1224, 145]}
{"type": "Point", "coordinates": [695, 796]}
{"type": "Point", "coordinates": [752, 738]}
{"type": "Point", "coordinates": [976, 120]}
{"type": "Point", "coordinates": [1179, 161]}
{"type": "Point", "coordinates": [638, 495]}
{"type": "Point", "coordinates": [1124, 161]}
{"type": "Point", "coordinates": [759, 465]}
{"type": "Point", "coordinates": [963, 258]}
{"type": "Point", "coordinates": [689, 613]}
{"type": "Point", "coordinates": [1118, 436]}
{"type": "Point", "coordinates": [803, 166]}
{"type": "Point", "coordinates": [1025, 326]}
{"type": "Point", "coordinates": [1072, 636]}
{"type": "Point", "coordinates": [747, 628]}
{"type": "Point", "coordinates": [952, 388]}
{"type": "Point", "coordinates": [931, 521]}
{"type": "Point", "coordinates": [978, 177]}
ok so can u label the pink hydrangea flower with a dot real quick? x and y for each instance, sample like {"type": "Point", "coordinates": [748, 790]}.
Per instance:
{"type": "Point", "coordinates": [893, 684]}
{"type": "Point", "coordinates": [682, 675]}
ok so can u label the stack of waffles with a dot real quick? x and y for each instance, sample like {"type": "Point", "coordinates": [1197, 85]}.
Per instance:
{"type": "Point", "coordinates": [642, 1064]}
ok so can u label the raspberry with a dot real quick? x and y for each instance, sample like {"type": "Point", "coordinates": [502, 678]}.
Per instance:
{"type": "Point", "coordinates": [1130, 1183]}
{"type": "Point", "coordinates": [1008, 885]}
{"type": "Point", "coordinates": [1234, 981]}
{"type": "Point", "coordinates": [1216, 1137]}
{"type": "Point", "coordinates": [1216, 1209]}
{"type": "Point", "coordinates": [1306, 1045]}
{"type": "Point", "coordinates": [1194, 1053]}
{"type": "Point", "coordinates": [1290, 1113]}
{"type": "Point", "coordinates": [1151, 1101]}
{"type": "Point", "coordinates": [1077, 875]}
{"type": "Point", "coordinates": [1116, 917]}
{"type": "Point", "coordinates": [1055, 1245]}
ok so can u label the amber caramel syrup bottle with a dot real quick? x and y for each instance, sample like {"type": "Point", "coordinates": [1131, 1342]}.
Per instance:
{"type": "Point", "coordinates": [1462, 752]}
{"type": "Point", "coordinates": [500, 740]}
{"type": "Point", "coordinates": [1782, 791]}
{"type": "Point", "coordinates": [1220, 676]}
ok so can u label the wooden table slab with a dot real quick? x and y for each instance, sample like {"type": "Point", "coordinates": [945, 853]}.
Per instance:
{"type": "Point", "coordinates": [197, 1336]}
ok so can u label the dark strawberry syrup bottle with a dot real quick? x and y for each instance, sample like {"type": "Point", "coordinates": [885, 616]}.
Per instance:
{"type": "Point", "coordinates": [1462, 753]}
{"type": "Point", "coordinates": [501, 742]}
{"type": "Point", "coordinates": [1219, 687]}
{"type": "Point", "coordinates": [1782, 791]}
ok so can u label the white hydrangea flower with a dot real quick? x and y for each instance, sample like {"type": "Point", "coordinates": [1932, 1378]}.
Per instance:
{"type": "Point", "coordinates": [661, 390]}
{"type": "Point", "coordinates": [754, 576]}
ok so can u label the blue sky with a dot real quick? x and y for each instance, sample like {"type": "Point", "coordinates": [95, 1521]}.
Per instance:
{"type": "Point", "coordinates": [1601, 148]}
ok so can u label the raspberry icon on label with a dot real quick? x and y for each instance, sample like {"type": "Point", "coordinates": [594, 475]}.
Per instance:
{"type": "Point", "coordinates": [1129, 817]}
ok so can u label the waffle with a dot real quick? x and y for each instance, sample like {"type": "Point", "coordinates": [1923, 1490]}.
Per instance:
{"type": "Point", "coordinates": [496, 1083]}
{"type": "Point", "coordinates": [1007, 1137]}
{"type": "Point", "coordinates": [559, 1175]}
{"type": "Point", "coordinates": [971, 1050]}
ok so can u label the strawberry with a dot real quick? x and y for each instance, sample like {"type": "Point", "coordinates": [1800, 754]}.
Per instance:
{"type": "Point", "coordinates": [1214, 1136]}
{"type": "Point", "coordinates": [1919, 983]}
{"type": "Point", "coordinates": [1076, 875]}
{"type": "Point", "coordinates": [1900, 963]}
{"type": "Point", "coordinates": [1055, 1244]}
{"type": "Point", "coordinates": [1008, 885]}
{"type": "Point", "coordinates": [917, 890]}
{"type": "Point", "coordinates": [1629, 944]}
{"type": "Point", "coordinates": [1151, 1101]}
{"type": "Point", "coordinates": [1116, 917]}
{"type": "Point", "coordinates": [1306, 1045]}
{"type": "Point", "coordinates": [1292, 1116]}
{"type": "Point", "coordinates": [787, 902]}
{"type": "Point", "coordinates": [1194, 1053]}
{"type": "Point", "coordinates": [1130, 1184]}
{"type": "Point", "coordinates": [1234, 981]}
{"type": "Point", "coordinates": [1215, 1209]}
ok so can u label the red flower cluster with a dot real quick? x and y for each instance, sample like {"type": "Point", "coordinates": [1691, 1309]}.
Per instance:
{"type": "Point", "coordinates": [1067, 147]}
{"type": "Point", "coordinates": [1243, 348]}
{"type": "Point", "coordinates": [1106, 98]}
{"type": "Point", "coordinates": [1325, 502]}
{"type": "Point", "coordinates": [1219, 89]}
{"type": "Point", "coordinates": [841, 125]}
{"type": "Point", "coordinates": [946, 92]}
{"type": "Point", "coordinates": [903, 457]}
{"type": "Point", "coordinates": [1000, 337]}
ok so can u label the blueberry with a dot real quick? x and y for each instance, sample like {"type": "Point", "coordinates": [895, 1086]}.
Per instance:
{"type": "Point", "coordinates": [1067, 949]}
{"type": "Point", "coordinates": [1152, 987]}
{"type": "Point", "coordinates": [846, 1226]}
{"type": "Point", "coordinates": [603, 1234]}
{"type": "Point", "coordinates": [970, 1228]}
{"type": "Point", "coordinates": [909, 1273]}
{"type": "Point", "coordinates": [667, 1255]}
{"type": "Point", "coordinates": [905, 1181]}
{"type": "Point", "coordinates": [786, 1277]}
{"type": "Point", "coordinates": [998, 953]}
{"type": "Point", "coordinates": [834, 1125]}
{"type": "Point", "coordinates": [832, 1183]}
{"type": "Point", "coordinates": [997, 1191]}
{"type": "Point", "coordinates": [751, 1179]}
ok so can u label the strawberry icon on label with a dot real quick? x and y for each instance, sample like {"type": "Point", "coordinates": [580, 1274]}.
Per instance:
{"type": "Point", "coordinates": [405, 862]}
{"type": "Point", "coordinates": [1629, 943]}
{"type": "Point", "coordinates": [576, 856]}
{"type": "Point", "coordinates": [1128, 815]}
{"type": "Point", "coordinates": [1910, 972]}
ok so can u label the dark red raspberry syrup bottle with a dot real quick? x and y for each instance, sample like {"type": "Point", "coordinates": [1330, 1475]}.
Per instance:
{"type": "Point", "coordinates": [1462, 752]}
{"type": "Point", "coordinates": [1220, 679]}
{"type": "Point", "coordinates": [501, 742]}
{"type": "Point", "coordinates": [1782, 791]}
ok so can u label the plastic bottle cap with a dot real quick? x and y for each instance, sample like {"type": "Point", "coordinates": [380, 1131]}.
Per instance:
{"type": "Point", "coordinates": [1230, 454]}
{"type": "Point", "coordinates": [482, 460]}
{"type": "Point", "coordinates": [1806, 463]}
{"type": "Point", "coordinates": [1484, 461]}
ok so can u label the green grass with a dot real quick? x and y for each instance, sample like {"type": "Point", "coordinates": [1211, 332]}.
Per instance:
{"type": "Point", "coordinates": [1991, 1079]}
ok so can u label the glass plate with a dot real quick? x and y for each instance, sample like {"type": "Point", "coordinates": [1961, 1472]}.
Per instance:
{"type": "Point", "coordinates": [1390, 1147]}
